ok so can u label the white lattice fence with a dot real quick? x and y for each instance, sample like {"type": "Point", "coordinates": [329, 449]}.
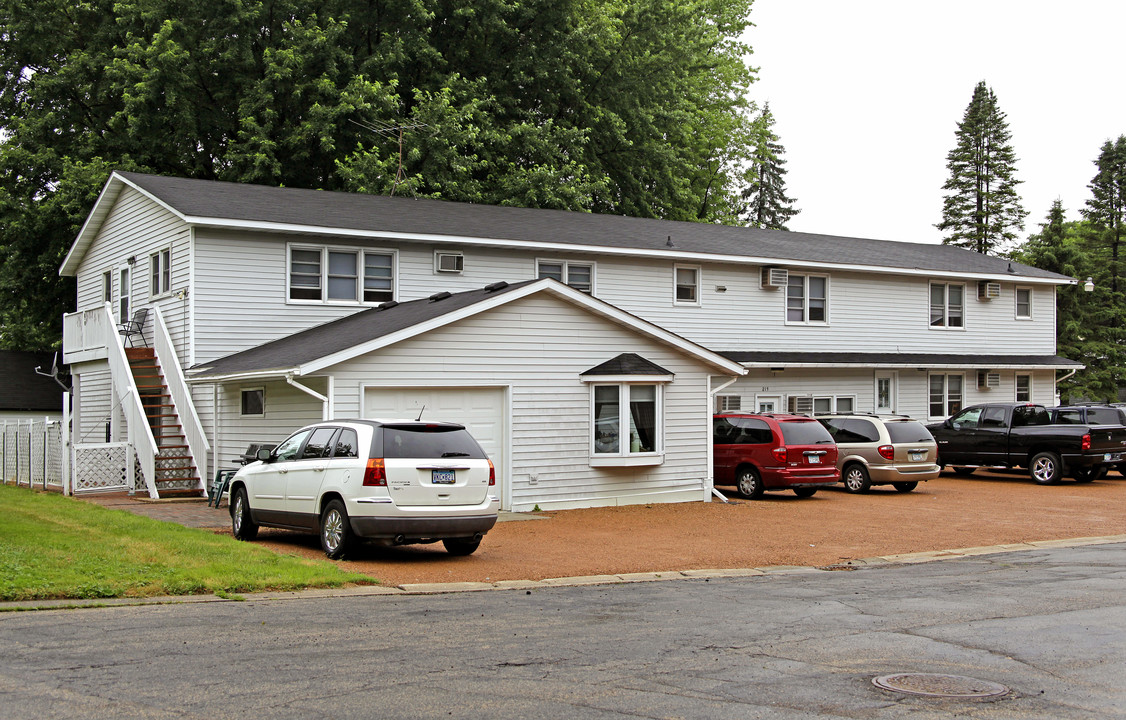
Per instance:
{"type": "Point", "coordinates": [102, 467]}
{"type": "Point", "coordinates": [32, 453]}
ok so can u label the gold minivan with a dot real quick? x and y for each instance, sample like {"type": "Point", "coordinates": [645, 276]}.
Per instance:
{"type": "Point", "coordinates": [882, 450]}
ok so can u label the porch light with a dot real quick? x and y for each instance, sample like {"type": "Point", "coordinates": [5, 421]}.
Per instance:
{"type": "Point", "coordinates": [1089, 286]}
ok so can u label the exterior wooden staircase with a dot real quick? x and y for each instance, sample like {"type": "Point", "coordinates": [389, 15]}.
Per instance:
{"type": "Point", "coordinates": [176, 473]}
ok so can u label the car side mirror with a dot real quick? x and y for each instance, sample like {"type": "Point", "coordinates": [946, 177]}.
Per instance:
{"type": "Point", "coordinates": [264, 454]}
{"type": "Point", "coordinates": [948, 423]}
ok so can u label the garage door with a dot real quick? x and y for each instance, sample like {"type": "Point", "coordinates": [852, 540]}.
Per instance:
{"type": "Point", "coordinates": [479, 409]}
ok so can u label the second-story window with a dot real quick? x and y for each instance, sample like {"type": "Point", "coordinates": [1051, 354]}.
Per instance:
{"type": "Point", "coordinates": [947, 305]}
{"type": "Point", "coordinates": [107, 286]}
{"type": "Point", "coordinates": [340, 275]}
{"type": "Point", "coordinates": [160, 272]}
{"type": "Point", "coordinates": [687, 285]}
{"type": "Point", "coordinates": [578, 275]}
{"type": "Point", "coordinates": [807, 299]}
{"type": "Point", "coordinates": [1024, 304]}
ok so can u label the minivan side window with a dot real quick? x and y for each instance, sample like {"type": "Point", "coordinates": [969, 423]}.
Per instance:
{"type": "Point", "coordinates": [320, 444]}
{"type": "Point", "coordinates": [347, 444]}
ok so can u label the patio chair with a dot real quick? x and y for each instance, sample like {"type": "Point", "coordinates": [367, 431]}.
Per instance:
{"type": "Point", "coordinates": [135, 326]}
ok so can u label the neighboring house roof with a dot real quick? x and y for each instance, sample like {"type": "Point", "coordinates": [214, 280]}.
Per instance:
{"type": "Point", "coordinates": [24, 390]}
{"type": "Point", "coordinates": [312, 350]}
{"type": "Point", "coordinates": [931, 361]}
{"type": "Point", "coordinates": [209, 203]}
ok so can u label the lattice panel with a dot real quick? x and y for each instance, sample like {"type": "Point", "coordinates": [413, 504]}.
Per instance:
{"type": "Point", "coordinates": [101, 467]}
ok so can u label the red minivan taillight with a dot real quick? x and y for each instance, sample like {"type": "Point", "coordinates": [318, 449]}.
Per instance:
{"type": "Point", "coordinates": [1086, 442]}
{"type": "Point", "coordinates": [779, 454]}
{"type": "Point", "coordinates": [887, 452]}
{"type": "Point", "coordinates": [375, 475]}
{"type": "Point", "coordinates": [492, 474]}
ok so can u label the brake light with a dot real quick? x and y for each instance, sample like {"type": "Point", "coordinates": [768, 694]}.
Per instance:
{"type": "Point", "coordinates": [1087, 442]}
{"type": "Point", "coordinates": [375, 474]}
{"type": "Point", "coordinates": [779, 454]}
{"type": "Point", "coordinates": [887, 452]}
{"type": "Point", "coordinates": [492, 474]}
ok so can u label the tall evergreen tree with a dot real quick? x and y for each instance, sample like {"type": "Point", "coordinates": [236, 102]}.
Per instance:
{"type": "Point", "coordinates": [767, 205]}
{"type": "Point", "coordinates": [632, 107]}
{"type": "Point", "coordinates": [982, 210]}
{"type": "Point", "coordinates": [1106, 209]}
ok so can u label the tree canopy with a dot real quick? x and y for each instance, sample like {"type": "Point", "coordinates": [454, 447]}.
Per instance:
{"type": "Point", "coordinates": [982, 210]}
{"type": "Point", "coordinates": [632, 107]}
{"type": "Point", "coordinates": [768, 206]}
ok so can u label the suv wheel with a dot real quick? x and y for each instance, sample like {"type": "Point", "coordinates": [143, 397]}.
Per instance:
{"type": "Point", "coordinates": [242, 527]}
{"type": "Point", "coordinates": [856, 479]}
{"type": "Point", "coordinates": [1045, 468]}
{"type": "Point", "coordinates": [749, 483]}
{"type": "Point", "coordinates": [336, 533]}
{"type": "Point", "coordinates": [461, 546]}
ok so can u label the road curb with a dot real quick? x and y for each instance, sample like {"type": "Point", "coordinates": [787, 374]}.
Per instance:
{"type": "Point", "coordinates": [548, 583]}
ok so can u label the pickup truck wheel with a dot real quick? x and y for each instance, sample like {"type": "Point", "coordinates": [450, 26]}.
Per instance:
{"type": "Point", "coordinates": [856, 479]}
{"type": "Point", "coordinates": [1045, 468]}
{"type": "Point", "coordinates": [963, 471]}
{"type": "Point", "coordinates": [906, 487]}
{"type": "Point", "coordinates": [749, 483]}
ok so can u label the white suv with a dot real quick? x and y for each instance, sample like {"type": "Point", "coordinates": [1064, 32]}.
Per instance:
{"type": "Point", "coordinates": [391, 481]}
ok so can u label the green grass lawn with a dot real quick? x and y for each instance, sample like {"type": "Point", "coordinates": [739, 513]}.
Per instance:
{"type": "Point", "coordinates": [58, 547]}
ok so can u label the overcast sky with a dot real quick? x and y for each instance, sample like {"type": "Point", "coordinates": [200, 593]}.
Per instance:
{"type": "Point", "coordinates": [867, 94]}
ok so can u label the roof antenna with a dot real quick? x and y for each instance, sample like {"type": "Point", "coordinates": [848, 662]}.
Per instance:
{"type": "Point", "coordinates": [420, 413]}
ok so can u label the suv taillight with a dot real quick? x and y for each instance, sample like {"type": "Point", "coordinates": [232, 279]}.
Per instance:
{"type": "Point", "coordinates": [1087, 442]}
{"type": "Point", "coordinates": [887, 452]}
{"type": "Point", "coordinates": [375, 474]}
{"type": "Point", "coordinates": [492, 474]}
{"type": "Point", "coordinates": [779, 454]}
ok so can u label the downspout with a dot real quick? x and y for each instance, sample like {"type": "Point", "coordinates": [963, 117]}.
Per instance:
{"type": "Point", "coordinates": [1065, 377]}
{"type": "Point", "coordinates": [309, 391]}
{"type": "Point", "coordinates": [711, 446]}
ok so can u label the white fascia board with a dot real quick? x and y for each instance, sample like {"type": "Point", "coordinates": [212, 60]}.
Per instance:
{"type": "Point", "coordinates": [97, 215]}
{"type": "Point", "coordinates": [597, 306]}
{"type": "Point", "coordinates": [276, 373]}
{"type": "Point", "coordinates": [909, 366]}
{"type": "Point", "coordinates": [627, 379]}
{"type": "Point", "coordinates": [676, 255]}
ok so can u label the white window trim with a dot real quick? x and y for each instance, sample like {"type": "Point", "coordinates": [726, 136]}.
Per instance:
{"type": "Point", "coordinates": [324, 250]}
{"type": "Point", "coordinates": [945, 326]}
{"type": "Point", "coordinates": [1016, 387]}
{"type": "Point", "coordinates": [833, 399]}
{"type": "Point", "coordinates": [1016, 303]}
{"type": "Point", "coordinates": [805, 301]}
{"type": "Point", "coordinates": [124, 293]}
{"type": "Point", "coordinates": [946, 394]}
{"type": "Point", "coordinates": [699, 285]}
{"type": "Point", "coordinates": [163, 271]}
{"type": "Point", "coordinates": [566, 266]}
{"type": "Point", "coordinates": [107, 286]}
{"type": "Point", "coordinates": [624, 458]}
{"type": "Point", "coordinates": [260, 389]}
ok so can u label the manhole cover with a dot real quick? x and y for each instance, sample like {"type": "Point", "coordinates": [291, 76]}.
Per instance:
{"type": "Point", "coordinates": [950, 686]}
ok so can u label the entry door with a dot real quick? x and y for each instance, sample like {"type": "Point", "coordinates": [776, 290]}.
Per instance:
{"type": "Point", "coordinates": [885, 392]}
{"type": "Point", "coordinates": [480, 409]}
{"type": "Point", "coordinates": [768, 404]}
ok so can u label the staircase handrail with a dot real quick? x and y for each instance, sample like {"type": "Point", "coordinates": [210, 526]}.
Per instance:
{"type": "Point", "coordinates": [140, 435]}
{"type": "Point", "coordinates": [198, 446]}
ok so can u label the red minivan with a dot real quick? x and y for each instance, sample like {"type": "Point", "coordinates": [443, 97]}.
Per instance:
{"type": "Point", "coordinates": [773, 451]}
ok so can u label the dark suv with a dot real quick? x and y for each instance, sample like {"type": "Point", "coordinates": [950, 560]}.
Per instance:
{"type": "Point", "coordinates": [758, 452]}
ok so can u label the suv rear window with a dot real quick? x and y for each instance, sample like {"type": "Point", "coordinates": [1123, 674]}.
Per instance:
{"type": "Point", "coordinates": [851, 430]}
{"type": "Point", "coordinates": [429, 441]}
{"type": "Point", "coordinates": [804, 432]}
{"type": "Point", "coordinates": [908, 432]}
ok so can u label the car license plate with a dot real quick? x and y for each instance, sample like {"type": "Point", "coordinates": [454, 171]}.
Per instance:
{"type": "Point", "coordinates": [918, 457]}
{"type": "Point", "coordinates": [1112, 457]}
{"type": "Point", "coordinates": [443, 477]}
{"type": "Point", "coordinates": [813, 459]}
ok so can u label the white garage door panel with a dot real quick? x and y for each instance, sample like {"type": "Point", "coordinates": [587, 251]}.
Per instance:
{"type": "Point", "coordinates": [479, 409]}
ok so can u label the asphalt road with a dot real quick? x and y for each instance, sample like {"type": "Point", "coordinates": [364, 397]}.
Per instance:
{"type": "Point", "coordinates": [1049, 624]}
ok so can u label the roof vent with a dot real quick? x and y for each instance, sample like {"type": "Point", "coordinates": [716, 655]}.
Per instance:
{"type": "Point", "coordinates": [387, 305]}
{"type": "Point", "coordinates": [439, 296]}
{"type": "Point", "coordinates": [496, 286]}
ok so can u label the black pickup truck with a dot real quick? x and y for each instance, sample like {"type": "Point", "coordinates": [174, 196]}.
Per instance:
{"type": "Point", "coordinates": [1022, 435]}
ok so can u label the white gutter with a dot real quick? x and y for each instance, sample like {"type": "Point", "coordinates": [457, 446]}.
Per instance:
{"type": "Point", "coordinates": [325, 412]}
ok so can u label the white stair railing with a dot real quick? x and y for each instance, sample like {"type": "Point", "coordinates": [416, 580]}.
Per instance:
{"type": "Point", "coordinates": [198, 446]}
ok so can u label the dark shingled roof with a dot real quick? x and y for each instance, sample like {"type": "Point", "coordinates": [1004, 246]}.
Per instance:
{"type": "Point", "coordinates": [628, 364]}
{"type": "Point", "coordinates": [24, 390]}
{"type": "Point", "coordinates": [781, 359]}
{"type": "Point", "coordinates": [235, 202]}
{"type": "Point", "coordinates": [348, 332]}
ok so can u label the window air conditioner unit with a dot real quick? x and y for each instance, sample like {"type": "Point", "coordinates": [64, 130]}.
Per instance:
{"type": "Point", "coordinates": [800, 405]}
{"type": "Point", "coordinates": [728, 403]}
{"type": "Point", "coordinates": [987, 380]}
{"type": "Point", "coordinates": [449, 262]}
{"type": "Point", "coordinates": [773, 277]}
{"type": "Point", "coordinates": [988, 290]}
